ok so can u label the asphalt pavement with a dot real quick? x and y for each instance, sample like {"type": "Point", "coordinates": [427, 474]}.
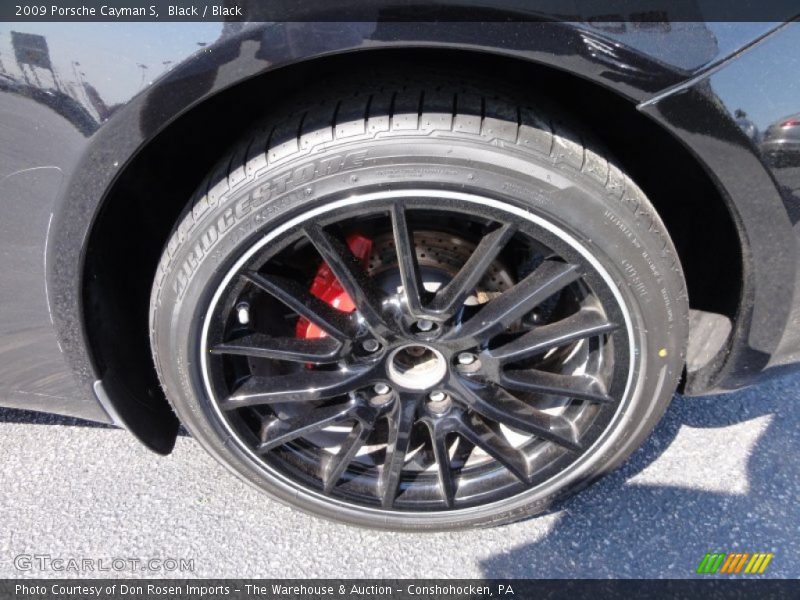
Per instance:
{"type": "Point", "coordinates": [719, 474]}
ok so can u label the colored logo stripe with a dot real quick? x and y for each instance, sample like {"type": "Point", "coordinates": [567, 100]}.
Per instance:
{"type": "Point", "coordinates": [710, 563]}
{"type": "Point", "coordinates": [758, 563]}
{"type": "Point", "coordinates": [734, 562]}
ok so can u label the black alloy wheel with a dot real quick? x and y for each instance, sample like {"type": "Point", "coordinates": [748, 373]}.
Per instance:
{"type": "Point", "coordinates": [403, 403]}
{"type": "Point", "coordinates": [418, 327]}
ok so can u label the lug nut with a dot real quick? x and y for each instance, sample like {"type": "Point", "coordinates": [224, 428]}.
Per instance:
{"type": "Point", "coordinates": [424, 325]}
{"type": "Point", "coordinates": [439, 402]}
{"type": "Point", "coordinates": [243, 313]}
{"type": "Point", "coordinates": [371, 345]}
{"type": "Point", "coordinates": [466, 358]}
{"type": "Point", "coordinates": [381, 389]}
{"type": "Point", "coordinates": [437, 396]}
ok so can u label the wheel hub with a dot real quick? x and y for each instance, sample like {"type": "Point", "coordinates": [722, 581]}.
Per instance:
{"type": "Point", "coordinates": [416, 366]}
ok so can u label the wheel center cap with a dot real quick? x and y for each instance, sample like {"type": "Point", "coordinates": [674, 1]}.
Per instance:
{"type": "Point", "coordinates": [416, 366]}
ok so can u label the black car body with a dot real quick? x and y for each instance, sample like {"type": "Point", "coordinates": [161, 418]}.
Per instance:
{"type": "Point", "coordinates": [93, 118]}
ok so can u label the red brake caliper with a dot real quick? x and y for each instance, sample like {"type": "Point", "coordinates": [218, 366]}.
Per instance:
{"type": "Point", "coordinates": [328, 289]}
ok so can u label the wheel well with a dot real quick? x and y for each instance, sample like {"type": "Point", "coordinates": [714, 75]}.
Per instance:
{"type": "Point", "coordinates": [140, 210]}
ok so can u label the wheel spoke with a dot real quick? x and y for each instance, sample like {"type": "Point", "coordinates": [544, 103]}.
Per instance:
{"type": "Point", "coordinates": [479, 433]}
{"type": "Point", "coordinates": [334, 322]}
{"type": "Point", "coordinates": [548, 279]}
{"type": "Point", "coordinates": [401, 422]}
{"type": "Point", "coordinates": [316, 351]}
{"type": "Point", "coordinates": [583, 324]}
{"type": "Point", "coordinates": [353, 278]}
{"type": "Point", "coordinates": [303, 386]}
{"type": "Point", "coordinates": [498, 405]}
{"type": "Point", "coordinates": [280, 431]}
{"type": "Point", "coordinates": [442, 455]}
{"type": "Point", "coordinates": [407, 260]}
{"type": "Point", "coordinates": [452, 296]}
{"type": "Point", "coordinates": [580, 387]}
{"type": "Point", "coordinates": [338, 463]}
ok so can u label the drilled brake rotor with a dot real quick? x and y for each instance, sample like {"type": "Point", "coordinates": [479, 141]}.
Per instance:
{"type": "Point", "coordinates": [440, 256]}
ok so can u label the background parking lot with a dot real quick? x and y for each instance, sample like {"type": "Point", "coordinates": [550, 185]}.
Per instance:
{"type": "Point", "coordinates": [720, 474]}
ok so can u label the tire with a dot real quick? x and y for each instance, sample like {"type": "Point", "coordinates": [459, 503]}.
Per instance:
{"type": "Point", "coordinates": [412, 152]}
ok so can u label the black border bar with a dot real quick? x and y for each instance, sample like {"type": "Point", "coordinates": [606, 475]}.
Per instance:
{"type": "Point", "coordinates": [640, 11]}
{"type": "Point", "coordinates": [709, 588]}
